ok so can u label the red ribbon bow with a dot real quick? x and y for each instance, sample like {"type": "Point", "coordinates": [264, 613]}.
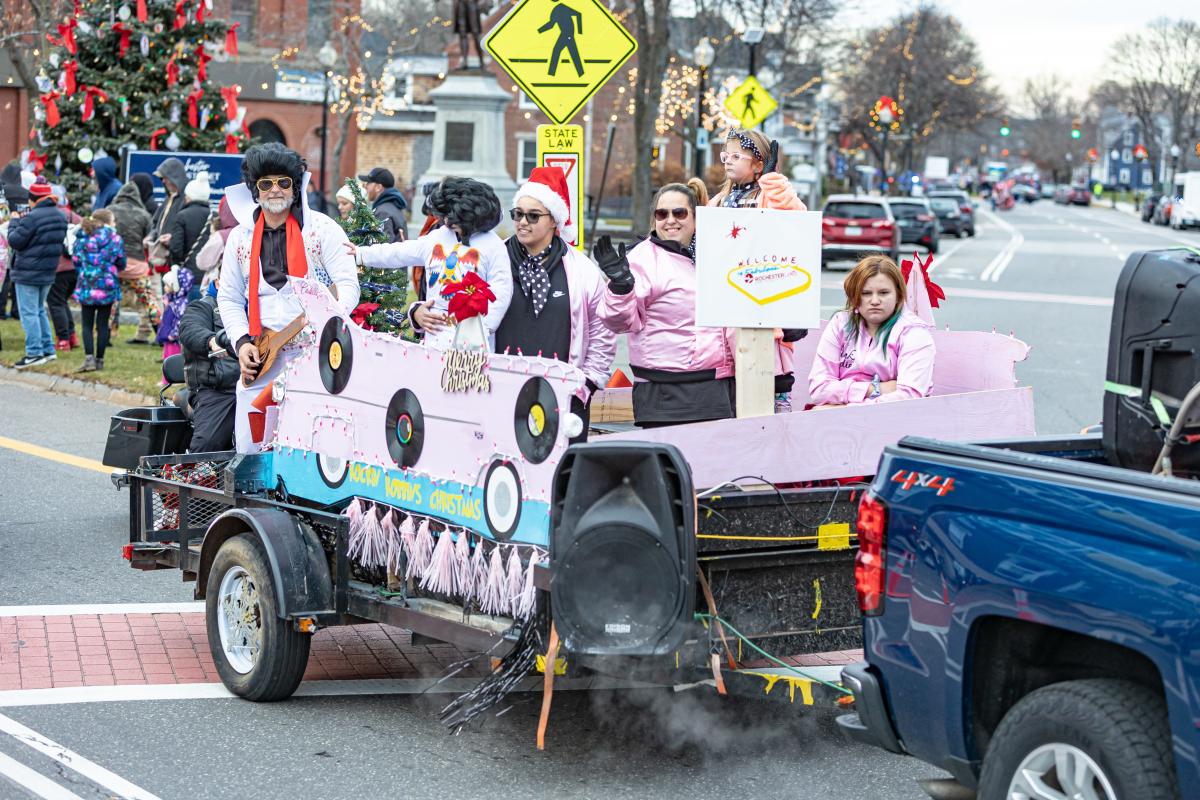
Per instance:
{"type": "Point", "coordinates": [70, 68]}
{"type": "Point", "coordinates": [180, 14]}
{"type": "Point", "coordinates": [66, 36]}
{"type": "Point", "coordinates": [154, 138]}
{"type": "Point", "coordinates": [125, 31]}
{"type": "Point", "coordinates": [49, 102]}
{"type": "Point", "coordinates": [231, 39]}
{"type": "Point", "coordinates": [936, 293]}
{"type": "Point", "coordinates": [361, 312]}
{"type": "Point", "coordinates": [200, 11]}
{"type": "Point", "coordinates": [231, 143]}
{"type": "Point", "coordinates": [193, 108]}
{"type": "Point", "coordinates": [142, 14]}
{"type": "Point", "coordinates": [90, 94]}
{"type": "Point", "coordinates": [468, 297]}
{"type": "Point", "coordinates": [202, 58]}
{"type": "Point", "coordinates": [172, 72]}
{"type": "Point", "coordinates": [230, 95]}
{"type": "Point", "coordinates": [36, 162]}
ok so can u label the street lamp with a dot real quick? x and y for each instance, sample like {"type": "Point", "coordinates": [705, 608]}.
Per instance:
{"type": "Point", "coordinates": [1175, 153]}
{"type": "Point", "coordinates": [703, 55]}
{"type": "Point", "coordinates": [886, 118]}
{"type": "Point", "coordinates": [752, 37]}
{"type": "Point", "coordinates": [327, 56]}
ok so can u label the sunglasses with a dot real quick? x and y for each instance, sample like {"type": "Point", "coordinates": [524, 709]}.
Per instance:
{"type": "Point", "coordinates": [267, 184]}
{"type": "Point", "coordinates": [532, 217]}
{"type": "Point", "coordinates": [661, 214]}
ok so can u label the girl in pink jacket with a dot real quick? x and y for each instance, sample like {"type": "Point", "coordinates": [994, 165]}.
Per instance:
{"type": "Point", "coordinates": [876, 350]}
{"type": "Point", "coordinates": [682, 373]}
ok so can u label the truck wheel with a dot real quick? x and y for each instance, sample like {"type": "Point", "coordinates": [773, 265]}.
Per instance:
{"type": "Point", "coordinates": [1106, 739]}
{"type": "Point", "coordinates": [258, 655]}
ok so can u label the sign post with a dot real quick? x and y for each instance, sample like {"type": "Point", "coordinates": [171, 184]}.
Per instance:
{"type": "Point", "coordinates": [757, 270]}
{"type": "Point", "coordinates": [751, 103]}
{"type": "Point", "coordinates": [562, 146]}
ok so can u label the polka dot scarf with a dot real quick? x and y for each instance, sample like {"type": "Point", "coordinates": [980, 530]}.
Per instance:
{"type": "Point", "coordinates": [533, 271]}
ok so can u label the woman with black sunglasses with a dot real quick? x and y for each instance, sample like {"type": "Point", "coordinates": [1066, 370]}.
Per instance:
{"type": "Point", "coordinates": [682, 373]}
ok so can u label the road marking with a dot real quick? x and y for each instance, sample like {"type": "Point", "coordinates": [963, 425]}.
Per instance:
{"type": "Point", "coordinates": [1030, 297]}
{"type": "Point", "coordinates": [33, 781]}
{"type": "Point", "coordinates": [940, 260]}
{"type": "Point", "coordinates": [996, 268]}
{"type": "Point", "coordinates": [53, 455]}
{"type": "Point", "coordinates": [72, 760]}
{"type": "Point", "coordinates": [102, 608]}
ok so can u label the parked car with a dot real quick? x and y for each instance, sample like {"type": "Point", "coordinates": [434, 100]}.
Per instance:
{"type": "Point", "coordinates": [966, 207]}
{"type": "Point", "coordinates": [1162, 212]}
{"type": "Point", "coordinates": [918, 224]}
{"type": "Point", "coordinates": [853, 225]}
{"type": "Point", "coordinates": [950, 218]}
{"type": "Point", "coordinates": [1062, 195]}
{"type": "Point", "coordinates": [1148, 207]}
{"type": "Point", "coordinates": [1185, 211]}
{"type": "Point", "coordinates": [1080, 196]}
{"type": "Point", "coordinates": [1026, 192]}
{"type": "Point", "coordinates": [1049, 190]}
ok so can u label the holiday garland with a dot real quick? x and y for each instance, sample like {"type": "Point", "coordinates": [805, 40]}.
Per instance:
{"type": "Point", "coordinates": [384, 299]}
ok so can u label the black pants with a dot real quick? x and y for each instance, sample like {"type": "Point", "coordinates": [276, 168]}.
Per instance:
{"type": "Point", "coordinates": [212, 420]}
{"type": "Point", "coordinates": [56, 304]}
{"type": "Point", "coordinates": [8, 297]}
{"type": "Point", "coordinates": [95, 318]}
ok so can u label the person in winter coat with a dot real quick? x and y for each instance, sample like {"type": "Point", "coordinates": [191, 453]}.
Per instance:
{"type": "Point", "coordinates": [137, 289]}
{"type": "Point", "coordinates": [682, 372]}
{"type": "Point", "coordinates": [463, 242]}
{"type": "Point", "coordinates": [173, 175]}
{"type": "Point", "coordinates": [556, 289]}
{"type": "Point", "coordinates": [99, 254]}
{"type": "Point", "coordinates": [57, 301]}
{"type": "Point", "coordinates": [105, 172]}
{"type": "Point", "coordinates": [17, 198]}
{"type": "Point", "coordinates": [211, 370]}
{"type": "Point", "coordinates": [386, 203]}
{"type": "Point", "coordinates": [36, 240]}
{"type": "Point", "coordinates": [145, 186]}
{"type": "Point", "coordinates": [208, 260]}
{"type": "Point", "coordinates": [189, 230]}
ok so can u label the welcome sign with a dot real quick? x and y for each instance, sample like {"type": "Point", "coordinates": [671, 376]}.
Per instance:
{"type": "Point", "coordinates": [758, 268]}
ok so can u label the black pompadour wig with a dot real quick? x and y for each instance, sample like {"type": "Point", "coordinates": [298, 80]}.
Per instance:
{"type": "Point", "coordinates": [273, 158]}
{"type": "Point", "coordinates": [465, 203]}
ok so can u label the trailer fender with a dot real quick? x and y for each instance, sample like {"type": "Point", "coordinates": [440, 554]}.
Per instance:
{"type": "Point", "coordinates": [299, 566]}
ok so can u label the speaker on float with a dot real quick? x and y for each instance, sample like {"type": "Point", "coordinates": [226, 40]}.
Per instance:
{"type": "Point", "coordinates": [623, 549]}
{"type": "Point", "coordinates": [1153, 360]}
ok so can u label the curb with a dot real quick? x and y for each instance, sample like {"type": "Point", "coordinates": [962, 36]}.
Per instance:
{"type": "Point", "coordinates": [73, 387]}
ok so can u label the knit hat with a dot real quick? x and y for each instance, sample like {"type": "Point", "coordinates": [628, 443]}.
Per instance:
{"type": "Point", "coordinates": [198, 189]}
{"type": "Point", "coordinates": [40, 190]}
{"type": "Point", "coordinates": [548, 185]}
{"type": "Point", "coordinates": [344, 193]}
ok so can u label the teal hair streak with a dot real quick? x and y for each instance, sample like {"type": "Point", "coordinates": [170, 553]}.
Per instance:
{"type": "Point", "coordinates": [885, 330]}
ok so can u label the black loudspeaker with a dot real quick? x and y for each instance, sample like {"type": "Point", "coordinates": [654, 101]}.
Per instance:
{"type": "Point", "coordinates": [623, 549]}
{"type": "Point", "coordinates": [1153, 359]}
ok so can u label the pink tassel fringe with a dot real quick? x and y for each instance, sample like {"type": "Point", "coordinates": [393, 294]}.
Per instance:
{"type": "Point", "coordinates": [441, 576]}
{"type": "Point", "coordinates": [515, 581]}
{"type": "Point", "coordinates": [462, 566]}
{"type": "Point", "coordinates": [478, 574]}
{"type": "Point", "coordinates": [495, 596]}
{"type": "Point", "coordinates": [422, 551]}
{"type": "Point", "coordinates": [523, 607]}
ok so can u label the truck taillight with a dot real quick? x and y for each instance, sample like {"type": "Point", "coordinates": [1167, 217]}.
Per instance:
{"type": "Point", "coordinates": [870, 570]}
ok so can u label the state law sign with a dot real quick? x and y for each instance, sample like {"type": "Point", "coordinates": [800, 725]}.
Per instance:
{"type": "Point", "coordinates": [758, 268]}
{"type": "Point", "coordinates": [560, 52]}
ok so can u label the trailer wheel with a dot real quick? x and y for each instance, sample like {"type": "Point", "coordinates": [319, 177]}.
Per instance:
{"type": "Point", "coordinates": [258, 655]}
{"type": "Point", "coordinates": [1107, 739]}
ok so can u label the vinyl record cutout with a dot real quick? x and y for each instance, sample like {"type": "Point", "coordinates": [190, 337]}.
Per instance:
{"type": "Point", "coordinates": [535, 420]}
{"type": "Point", "coordinates": [405, 428]}
{"type": "Point", "coordinates": [336, 357]}
{"type": "Point", "coordinates": [502, 500]}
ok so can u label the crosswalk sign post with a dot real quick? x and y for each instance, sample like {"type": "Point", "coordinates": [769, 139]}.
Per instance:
{"type": "Point", "coordinates": [562, 146]}
{"type": "Point", "coordinates": [750, 103]}
{"type": "Point", "coordinates": [560, 52]}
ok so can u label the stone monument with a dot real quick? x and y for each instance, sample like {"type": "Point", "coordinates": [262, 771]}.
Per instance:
{"type": "Point", "coordinates": [469, 139]}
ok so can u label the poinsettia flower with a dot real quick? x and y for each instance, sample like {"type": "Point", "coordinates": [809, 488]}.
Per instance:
{"type": "Point", "coordinates": [468, 297]}
{"type": "Point", "coordinates": [361, 312]}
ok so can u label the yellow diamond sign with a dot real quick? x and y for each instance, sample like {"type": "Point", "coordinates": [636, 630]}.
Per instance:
{"type": "Point", "coordinates": [560, 52]}
{"type": "Point", "coordinates": [750, 103]}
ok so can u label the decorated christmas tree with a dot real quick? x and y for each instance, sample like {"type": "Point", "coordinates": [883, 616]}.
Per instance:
{"type": "Point", "coordinates": [133, 72]}
{"type": "Point", "coordinates": [384, 298]}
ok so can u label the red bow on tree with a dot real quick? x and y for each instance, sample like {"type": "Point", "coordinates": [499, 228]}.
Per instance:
{"type": "Point", "coordinates": [202, 58]}
{"type": "Point", "coordinates": [231, 39]}
{"type": "Point", "coordinates": [66, 36]}
{"type": "Point", "coordinates": [154, 137]}
{"type": "Point", "coordinates": [193, 100]}
{"type": "Point", "coordinates": [200, 11]}
{"type": "Point", "coordinates": [230, 94]}
{"type": "Point", "coordinates": [69, 70]}
{"type": "Point", "coordinates": [172, 72]}
{"type": "Point", "coordinates": [361, 312]}
{"type": "Point", "coordinates": [36, 163]}
{"type": "Point", "coordinates": [231, 143]}
{"type": "Point", "coordinates": [49, 103]}
{"type": "Point", "coordinates": [936, 294]}
{"type": "Point", "coordinates": [125, 31]}
{"type": "Point", "coordinates": [142, 14]}
{"type": "Point", "coordinates": [180, 14]}
{"type": "Point", "coordinates": [468, 297]}
{"type": "Point", "coordinates": [90, 95]}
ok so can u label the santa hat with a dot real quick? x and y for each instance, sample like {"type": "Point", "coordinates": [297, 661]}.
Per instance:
{"type": "Point", "coordinates": [548, 185]}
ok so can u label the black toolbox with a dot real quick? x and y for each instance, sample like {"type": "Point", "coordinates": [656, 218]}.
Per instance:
{"type": "Point", "coordinates": [148, 431]}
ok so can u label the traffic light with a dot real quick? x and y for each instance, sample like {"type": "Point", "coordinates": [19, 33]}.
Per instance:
{"type": "Point", "coordinates": [1004, 129]}
{"type": "Point", "coordinates": [1075, 131]}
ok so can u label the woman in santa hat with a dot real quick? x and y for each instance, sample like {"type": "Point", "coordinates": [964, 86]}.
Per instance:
{"type": "Point", "coordinates": [556, 289]}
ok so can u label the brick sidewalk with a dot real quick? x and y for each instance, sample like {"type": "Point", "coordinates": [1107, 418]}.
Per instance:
{"type": "Point", "coordinates": [120, 649]}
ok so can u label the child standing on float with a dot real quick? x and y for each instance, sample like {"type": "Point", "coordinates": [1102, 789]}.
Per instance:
{"type": "Point", "coordinates": [468, 210]}
{"type": "Point", "coordinates": [751, 181]}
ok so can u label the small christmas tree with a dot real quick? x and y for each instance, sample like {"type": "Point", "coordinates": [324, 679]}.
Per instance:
{"type": "Point", "coordinates": [384, 298]}
{"type": "Point", "coordinates": [133, 72]}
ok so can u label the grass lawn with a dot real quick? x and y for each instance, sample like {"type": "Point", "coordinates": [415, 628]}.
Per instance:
{"type": "Point", "coordinates": [135, 368]}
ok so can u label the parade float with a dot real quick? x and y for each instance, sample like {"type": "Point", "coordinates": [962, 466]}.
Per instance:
{"type": "Point", "coordinates": [435, 490]}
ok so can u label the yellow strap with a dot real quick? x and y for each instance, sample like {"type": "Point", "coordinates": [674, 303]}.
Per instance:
{"type": "Point", "coordinates": [1160, 410]}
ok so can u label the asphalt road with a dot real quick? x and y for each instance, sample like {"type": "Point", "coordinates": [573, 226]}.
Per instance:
{"type": "Point", "coordinates": [1044, 272]}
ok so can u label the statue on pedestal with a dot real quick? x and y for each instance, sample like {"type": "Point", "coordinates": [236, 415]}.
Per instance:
{"type": "Point", "coordinates": [467, 25]}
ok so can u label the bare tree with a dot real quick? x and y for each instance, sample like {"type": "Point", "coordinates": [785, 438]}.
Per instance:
{"type": "Point", "coordinates": [652, 25]}
{"type": "Point", "coordinates": [1046, 121]}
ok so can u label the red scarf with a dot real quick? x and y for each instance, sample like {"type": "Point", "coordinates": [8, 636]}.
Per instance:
{"type": "Point", "coordinates": [297, 263]}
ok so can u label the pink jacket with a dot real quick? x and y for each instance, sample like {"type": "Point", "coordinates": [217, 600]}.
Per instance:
{"type": "Point", "coordinates": [843, 368]}
{"type": "Point", "coordinates": [660, 316]}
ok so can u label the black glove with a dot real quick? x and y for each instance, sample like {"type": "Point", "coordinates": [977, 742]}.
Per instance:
{"type": "Point", "coordinates": [614, 265]}
{"type": "Point", "coordinates": [772, 158]}
{"type": "Point", "coordinates": [794, 334]}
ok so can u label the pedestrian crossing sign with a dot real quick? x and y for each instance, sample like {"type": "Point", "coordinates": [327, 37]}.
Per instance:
{"type": "Point", "coordinates": [750, 103]}
{"type": "Point", "coordinates": [560, 52]}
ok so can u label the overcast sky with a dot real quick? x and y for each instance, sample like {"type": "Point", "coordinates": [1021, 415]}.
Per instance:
{"type": "Point", "coordinates": [1023, 38]}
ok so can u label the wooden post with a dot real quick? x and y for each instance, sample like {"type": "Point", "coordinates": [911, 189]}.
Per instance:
{"type": "Point", "coordinates": [754, 368]}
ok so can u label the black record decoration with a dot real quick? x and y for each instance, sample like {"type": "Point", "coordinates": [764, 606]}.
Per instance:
{"type": "Point", "coordinates": [535, 420]}
{"type": "Point", "coordinates": [336, 357]}
{"type": "Point", "coordinates": [405, 428]}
